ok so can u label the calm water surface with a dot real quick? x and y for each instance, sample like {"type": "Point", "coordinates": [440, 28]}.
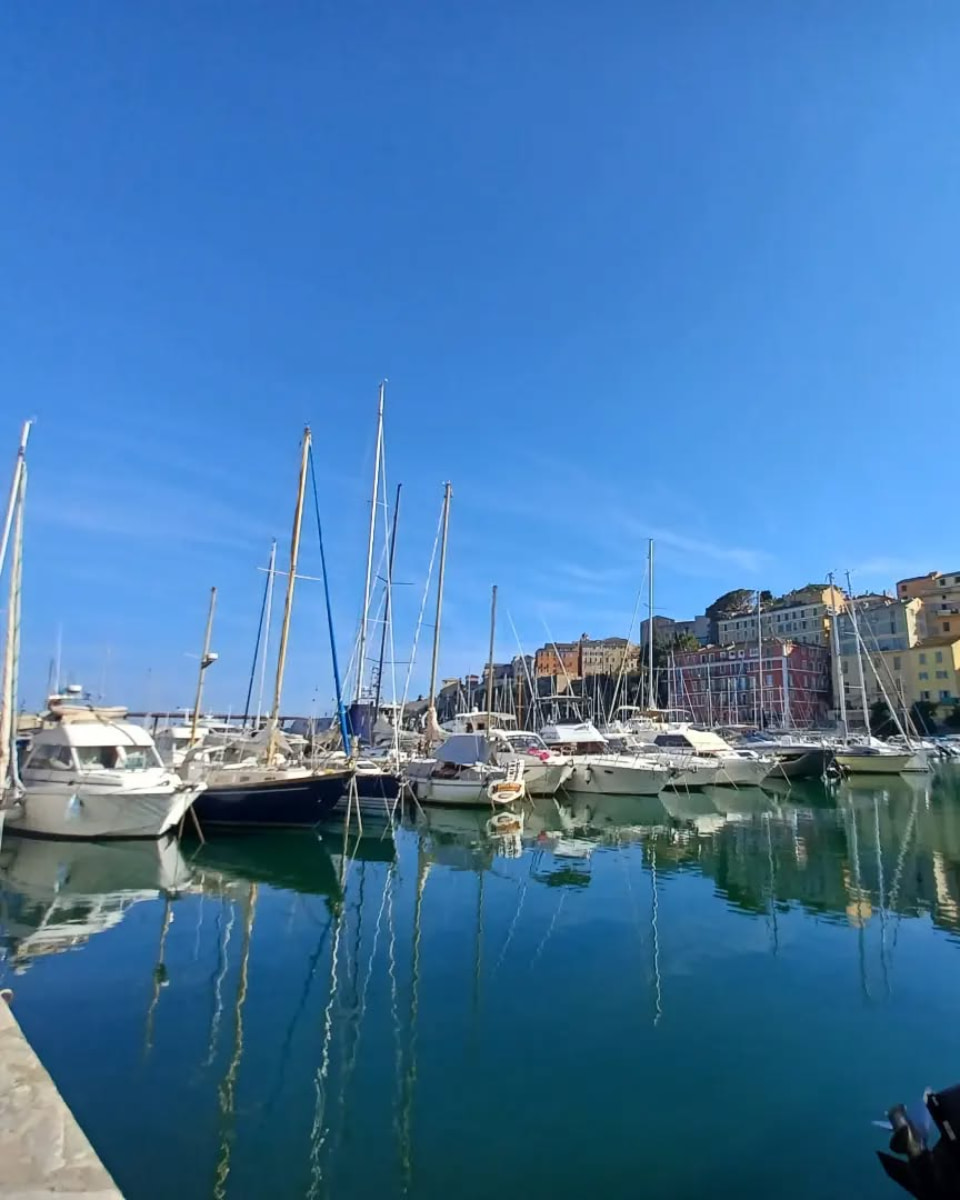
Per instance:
{"type": "Point", "coordinates": [712, 994]}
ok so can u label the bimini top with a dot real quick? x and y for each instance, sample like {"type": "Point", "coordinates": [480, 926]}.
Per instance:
{"type": "Point", "coordinates": [464, 749]}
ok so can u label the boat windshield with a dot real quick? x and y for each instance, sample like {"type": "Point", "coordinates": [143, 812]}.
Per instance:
{"type": "Point", "coordinates": [525, 741]}
{"type": "Point", "coordinates": [117, 758]}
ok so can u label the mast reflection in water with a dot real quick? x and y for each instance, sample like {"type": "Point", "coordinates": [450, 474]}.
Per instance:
{"type": "Point", "coordinates": [536, 1010]}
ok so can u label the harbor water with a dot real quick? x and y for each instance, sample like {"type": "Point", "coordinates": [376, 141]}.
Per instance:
{"type": "Point", "coordinates": [711, 993]}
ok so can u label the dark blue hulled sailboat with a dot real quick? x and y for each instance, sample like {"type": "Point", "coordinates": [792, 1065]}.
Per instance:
{"type": "Point", "coordinates": [249, 784]}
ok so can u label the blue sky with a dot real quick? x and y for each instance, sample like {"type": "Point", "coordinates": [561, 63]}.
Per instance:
{"type": "Point", "coordinates": [686, 270]}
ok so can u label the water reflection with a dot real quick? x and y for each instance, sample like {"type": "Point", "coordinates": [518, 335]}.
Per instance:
{"type": "Point", "coordinates": [300, 998]}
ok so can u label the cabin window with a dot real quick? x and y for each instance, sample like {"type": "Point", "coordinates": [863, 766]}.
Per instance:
{"type": "Point", "coordinates": [50, 758]}
{"type": "Point", "coordinates": [98, 758]}
{"type": "Point", "coordinates": [139, 758]}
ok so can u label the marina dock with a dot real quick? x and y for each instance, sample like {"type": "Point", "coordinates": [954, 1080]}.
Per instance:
{"type": "Point", "coordinates": [43, 1150]}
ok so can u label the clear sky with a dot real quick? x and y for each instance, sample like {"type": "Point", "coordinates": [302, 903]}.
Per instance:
{"type": "Point", "coordinates": [678, 269]}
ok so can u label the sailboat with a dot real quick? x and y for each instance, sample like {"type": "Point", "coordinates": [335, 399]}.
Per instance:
{"type": "Point", "coordinates": [870, 756]}
{"type": "Point", "coordinates": [251, 782]}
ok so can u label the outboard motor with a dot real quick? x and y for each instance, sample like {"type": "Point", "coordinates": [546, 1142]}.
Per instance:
{"type": "Point", "coordinates": [925, 1171]}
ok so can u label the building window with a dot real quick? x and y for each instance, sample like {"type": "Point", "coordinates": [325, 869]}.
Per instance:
{"type": "Point", "coordinates": [939, 656]}
{"type": "Point", "coordinates": [941, 583]}
{"type": "Point", "coordinates": [942, 675]}
{"type": "Point", "coordinates": [924, 675]}
{"type": "Point", "coordinates": [946, 627]}
{"type": "Point", "coordinates": [924, 695]}
{"type": "Point", "coordinates": [923, 659]}
{"type": "Point", "coordinates": [944, 695]}
{"type": "Point", "coordinates": [896, 664]}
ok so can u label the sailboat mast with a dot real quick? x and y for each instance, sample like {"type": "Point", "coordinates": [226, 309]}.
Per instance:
{"type": "Point", "coordinates": [388, 602]}
{"type": "Point", "coordinates": [651, 701]}
{"type": "Point", "coordinates": [862, 677]}
{"type": "Point", "coordinates": [835, 646]}
{"type": "Point", "coordinates": [204, 663]}
{"type": "Point", "coordinates": [15, 494]}
{"type": "Point", "coordinates": [370, 540]}
{"type": "Point", "coordinates": [447, 492]}
{"type": "Point", "coordinates": [271, 584]}
{"type": "Point", "coordinates": [291, 579]}
{"type": "Point", "coordinates": [11, 651]}
{"type": "Point", "coordinates": [759, 662]}
{"type": "Point", "coordinates": [493, 634]}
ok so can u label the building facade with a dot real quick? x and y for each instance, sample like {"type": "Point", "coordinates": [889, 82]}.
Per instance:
{"type": "Point", "coordinates": [559, 658]}
{"type": "Point", "coordinates": [802, 616]}
{"type": "Point", "coordinates": [939, 594]}
{"type": "Point", "coordinates": [929, 670]}
{"type": "Point", "coordinates": [608, 656]}
{"type": "Point", "coordinates": [722, 685]}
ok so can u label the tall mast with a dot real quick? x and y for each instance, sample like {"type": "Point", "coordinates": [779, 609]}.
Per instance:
{"type": "Point", "coordinates": [370, 540]}
{"type": "Point", "coordinates": [388, 602]}
{"type": "Point", "coordinates": [432, 710]}
{"type": "Point", "coordinates": [268, 613]}
{"type": "Point", "coordinates": [288, 599]}
{"type": "Point", "coordinates": [493, 634]}
{"type": "Point", "coordinates": [205, 660]}
{"type": "Point", "coordinates": [15, 496]}
{"type": "Point", "coordinates": [835, 645]}
{"type": "Point", "coordinates": [862, 677]}
{"type": "Point", "coordinates": [651, 701]}
{"type": "Point", "coordinates": [11, 650]}
{"type": "Point", "coordinates": [258, 642]}
{"type": "Point", "coordinates": [759, 662]}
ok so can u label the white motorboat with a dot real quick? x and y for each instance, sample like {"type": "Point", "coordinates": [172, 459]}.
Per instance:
{"type": "Point", "coordinates": [735, 768]}
{"type": "Point", "coordinates": [598, 770]}
{"type": "Point", "coordinates": [90, 774]}
{"type": "Point", "coordinates": [463, 772]}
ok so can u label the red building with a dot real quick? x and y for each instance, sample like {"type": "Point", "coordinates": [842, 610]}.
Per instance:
{"type": "Point", "coordinates": [721, 685]}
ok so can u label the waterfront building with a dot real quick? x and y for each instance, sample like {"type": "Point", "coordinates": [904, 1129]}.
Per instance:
{"type": "Point", "coordinates": [722, 685]}
{"type": "Point", "coordinates": [800, 616]}
{"type": "Point", "coordinates": [939, 594]}
{"type": "Point", "coordinates": [608, 656]}
{"type": "Point", "coordinates": [928, 670]}
{"type": "Point", "coordinates": [558, 659]}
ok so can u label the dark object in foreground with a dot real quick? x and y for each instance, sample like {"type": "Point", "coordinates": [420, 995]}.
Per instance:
{"type": "Point", "coordinates": [926, 1172]}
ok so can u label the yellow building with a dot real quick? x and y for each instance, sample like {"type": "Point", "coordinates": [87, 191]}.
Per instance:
{"type": "Point", "coordinates": [930, 670]}
{"type": "Point", "coordinates": [939, 593]}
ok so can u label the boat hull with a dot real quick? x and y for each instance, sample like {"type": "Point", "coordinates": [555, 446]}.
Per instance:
{"type": "Point", "coordinates": [99, 815]}
{"type": "Point", "coordinates": [545, 779]}
{"type": "Point", "coordinates": [608, 777]}
{"type": "Point", "coordinates": [809, 763]}
{"type": "Point", "coordinates": [291, 803]}
{"type": "Point", "coordinates": [742, 772]}
{"type": "Point", "coordinates": [454, 793]}
{"type": "Point", "coordinates": [872, 764]}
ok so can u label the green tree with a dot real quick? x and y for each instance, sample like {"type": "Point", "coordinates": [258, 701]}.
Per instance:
{"type": "Point", "coordinates": [737, 603]}
{"type": "Point", "coordinates": [923, 714]}
{"type": "Point", "coordinates": [685, 641]}
{"type": "Point", "coordinates": [882, 723]}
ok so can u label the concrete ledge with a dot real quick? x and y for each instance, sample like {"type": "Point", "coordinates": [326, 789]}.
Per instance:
{"type": "Point", "coordinates": [43, 1151]}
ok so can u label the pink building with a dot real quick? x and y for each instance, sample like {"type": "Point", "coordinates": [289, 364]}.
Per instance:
{"type": "Point", "coordinates": [721, 685]}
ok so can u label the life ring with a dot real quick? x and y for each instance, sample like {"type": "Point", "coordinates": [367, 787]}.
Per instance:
{"type": "Point", "coordinates": [505, 791]}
